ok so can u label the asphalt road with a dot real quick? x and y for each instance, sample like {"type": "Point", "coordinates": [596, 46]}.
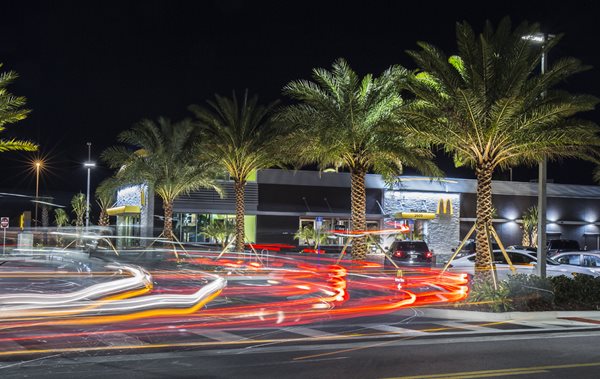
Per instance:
{"type": "Point", "coordinates": [545, 355]}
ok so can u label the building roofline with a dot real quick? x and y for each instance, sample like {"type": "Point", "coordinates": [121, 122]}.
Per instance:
{"type": "Point", "coordinates": [424, 184]}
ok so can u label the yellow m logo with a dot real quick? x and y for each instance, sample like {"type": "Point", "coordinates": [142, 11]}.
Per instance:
{"type": "Point", "coordinates": [444, 207]}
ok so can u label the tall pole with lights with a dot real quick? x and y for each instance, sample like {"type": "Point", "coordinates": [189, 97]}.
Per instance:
{"type": "Point", "coordinates": [38, 165]}
{"type": "Point", "coordinates": [541, 38]}
{"type": "Point", "coordinates": [89, 164]}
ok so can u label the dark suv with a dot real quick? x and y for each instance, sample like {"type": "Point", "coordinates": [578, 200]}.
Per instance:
{"type": "Point", "coordinates": [556, 246]}
{"type": "Point", "coordinates": [411, 253]}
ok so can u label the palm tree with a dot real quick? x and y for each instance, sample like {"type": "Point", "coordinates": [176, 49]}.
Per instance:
{"type": "Point", "coordinates": [79, 205]}
{"type": "Point", "coordinates": [11, 111]}
{"type": "Point", "coordinates": [105, 197]}
{"type": "Point", "coordinates": [343, 120]}
{"type": "Point", "coordinates": [242, 138]}
{"type": "Point", "coordinates": [530, 222]}
{"type": "Point", "coordinates": [166, 157]}
{"type": "Point", "coordinates": [489, 108]}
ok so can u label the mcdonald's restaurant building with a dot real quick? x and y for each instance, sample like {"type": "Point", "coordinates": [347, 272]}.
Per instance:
{"type": "Point", "coordinates": [439, 211]}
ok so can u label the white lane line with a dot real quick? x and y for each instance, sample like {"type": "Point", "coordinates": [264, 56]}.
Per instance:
{"type": "Point", "coordinates": [217, 335]}
{"type": "Point", "coordinates": [394, 329]}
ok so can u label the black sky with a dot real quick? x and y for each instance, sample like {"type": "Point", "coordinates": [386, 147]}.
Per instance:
{"type": "Point", "coordinates": [91, 69]}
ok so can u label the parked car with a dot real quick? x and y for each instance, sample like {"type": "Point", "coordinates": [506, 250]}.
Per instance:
{"type": "Point", "coordinates": [411, 253]}
{"type": "Point", "coordinates": [470, 246]}
{"type": "Point", "coordinates": [556, 246]}
{"type": "Point", "coordinates": [521, 247]}
{"type": "Point", "coordinates": [524, 264]}
{"type": "Point", "coordinates": [589, 259]}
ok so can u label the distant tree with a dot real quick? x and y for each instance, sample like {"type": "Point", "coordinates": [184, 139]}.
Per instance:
{"type": "Point", "coordinates": [166, 157]}
{"type": "Point", "coordinates": [61, 218]}
{"type": "Point", "coordinates": [530, 222]}
{"type": "Point", "coordinates": [343, 120]}
{"type": "Point", "coordinates": [312, 236]}
{"type": "Point", "coordinates": [79, 205]}
{"type": "Point", "coordinates": [11, 111]}
{"type": "Point", "coordinates": [242, 138]}
{"type": "Point", "coordinates": [489, 108]}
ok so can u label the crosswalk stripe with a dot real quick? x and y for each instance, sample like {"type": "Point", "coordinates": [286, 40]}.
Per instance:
{"type": "Point", "coordinates": [460, 325]}
{"type": "Point", "coordinates": [394, 329]}
{"type": "Point", "coordinates": [218, 335]}
{"type": "Point", "coordinates": [309, 332]}
{"type": "Point", "coordinates": [117, 339]}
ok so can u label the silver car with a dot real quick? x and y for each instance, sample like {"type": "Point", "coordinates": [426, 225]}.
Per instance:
{"type": "Point", "coordinates": [587, 259]}
{"type": "Point", "coordinates": [523, 263]}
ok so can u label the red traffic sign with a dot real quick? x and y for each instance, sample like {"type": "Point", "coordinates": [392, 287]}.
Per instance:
{"type": "Point", "coordinates": [4, 222]}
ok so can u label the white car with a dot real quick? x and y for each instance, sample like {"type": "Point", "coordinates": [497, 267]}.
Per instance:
{"type": "Point", "coordinates": [523, 264]}
{"type": "Point", "coordinates": [587, 259]}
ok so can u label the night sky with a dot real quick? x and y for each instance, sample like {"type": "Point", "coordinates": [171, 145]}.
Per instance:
{"type": "Point", "coordinates": [91, 69]}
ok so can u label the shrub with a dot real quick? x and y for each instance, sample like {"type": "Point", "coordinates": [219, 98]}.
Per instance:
{"type": "Point", "coordinates": [484, 296]}
{"type": "Point", "coordinates": [580, 293]}
{"type": "Point", "coordinates": [530, 293]}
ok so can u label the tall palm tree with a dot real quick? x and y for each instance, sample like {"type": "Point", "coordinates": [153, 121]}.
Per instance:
{"type": "Point", "coordinates": [343, 120]}
{"type": "Point", "coordinates": [105, 197]}
{"type": "Point", "coordinates": [165, 157]}
{"type": "Point", "coordinates": [242, 137]}
{"type": "Point", "coordinates": [489, 108]}
{"type": "Point", "coordinates": [11, 111]}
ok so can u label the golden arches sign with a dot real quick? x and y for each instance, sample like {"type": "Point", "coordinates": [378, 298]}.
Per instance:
{"type": "Point", "coordinates": [444, 207]}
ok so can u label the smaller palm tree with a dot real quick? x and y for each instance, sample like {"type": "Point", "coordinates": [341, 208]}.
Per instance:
{"type": "Point", "coordinates": [61, 218]}
{"type": "Point", "coordinates": [221, 231]}
{"type": "Point", "coordinates": [79, 205]}
{"type": "Point", "coordinates": [105, 197]}
{"type": "Point", "coordinates": [311, 236]}
{"type": "Point", "coordinates": [530, 223]}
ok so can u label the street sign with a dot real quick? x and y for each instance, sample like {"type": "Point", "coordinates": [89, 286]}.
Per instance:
{"type": "Point", "coordinates": [4, 224]}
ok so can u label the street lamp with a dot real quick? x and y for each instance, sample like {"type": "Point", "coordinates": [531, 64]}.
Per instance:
{"type": "Point", "coordinates": [89, 165]}
{"type": "Point", "coordinates": [38, 164]}
{"type": "Point", "coordinates": [541, 38]}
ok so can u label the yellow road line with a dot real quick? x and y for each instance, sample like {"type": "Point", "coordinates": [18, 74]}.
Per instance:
{"type": "Point", "coordinates": [499, 372]}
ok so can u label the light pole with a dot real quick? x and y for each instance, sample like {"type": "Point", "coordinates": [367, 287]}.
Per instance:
{"type": "Point", "coordinates": [38, 165]}
{"type": "Point", "coordinates": [89, 164]}
{"type": "Point", "coordinates": [540, 269]}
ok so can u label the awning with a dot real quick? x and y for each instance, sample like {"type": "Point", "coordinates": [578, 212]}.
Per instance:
{"type": "Point", "coordinates": [125, 209]}
{"type": "Point", "coordinates": [415, 215]}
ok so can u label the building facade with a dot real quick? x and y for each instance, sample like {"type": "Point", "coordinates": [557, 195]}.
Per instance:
{"type": "Point", "coordinates": [439, 211]}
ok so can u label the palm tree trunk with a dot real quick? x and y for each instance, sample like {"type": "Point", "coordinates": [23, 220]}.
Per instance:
{"type": "Point", "coordinates": [485, 209]}
{"type": "Point", "coordinates": [103, 219]}
{"type": "Point", "coordinates": [359, 217]}
{"type": "Point", "coordinates": [168, 226]}
{"type": "Point", "coordinates": [239, 215]}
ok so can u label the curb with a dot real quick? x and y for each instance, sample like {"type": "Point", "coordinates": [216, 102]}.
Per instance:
{"type": "Point", "coordinates": [505, 316]}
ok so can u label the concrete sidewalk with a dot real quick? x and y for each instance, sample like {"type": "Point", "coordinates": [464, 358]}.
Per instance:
{"type": "Point", "coordinates": [592, 317]}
